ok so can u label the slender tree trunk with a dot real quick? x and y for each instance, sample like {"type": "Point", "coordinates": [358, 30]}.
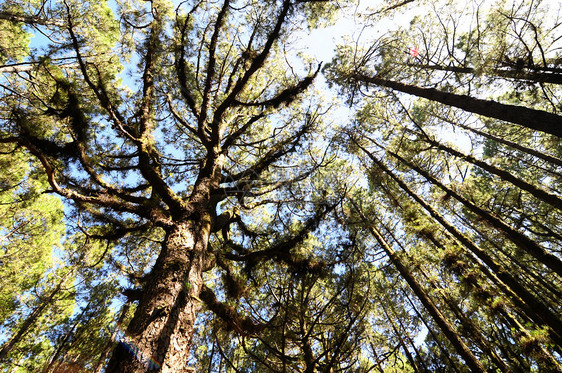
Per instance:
{"type": "Point", "coordinates": [433, 335]}
{"type": "Point", "coordinates": [29, 66]}
{"type": "Point", "coordinates": [511, 144]}
{"type": "Point", "coordinates": [473, 330]}
{"type": "Point", "coordinates": [465, 321]}
{"type": "Point", "coordinates": [523, 242]}
{"type": "Point", "coordinates": [62, 343]}
{"type": "Point", "coordinates": [31, 20]}
{"type": "Point", "coordinates": [534, 119]}
{"type": "Point", "coordinates": [108, 346]}
{"type": "Point", "coordinates": [546, 356]}
{"type": "Point", "coordinates": [537, 192]}
{"type": "Point", "coordinates": [437, 316]}
{"type": "Point", "coordinates": [548, 286]}
{"type": "Point", "coordinates": [30, 320]}
{"type": "Point", "coordinates": [398, 335]}
{"type": "Point", "coordinates": [411, 342]}
{"type": "Point", "coordinates": [160, 333]}
{"type": "Point", "coordinates": [531, 76]}
{"type": "Point", "coordinates": [534, 308]}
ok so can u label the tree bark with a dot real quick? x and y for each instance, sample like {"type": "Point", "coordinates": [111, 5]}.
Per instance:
{"type": "Point", "coordinates": [108, 346]}
{"type": "Point", "coordinates": [534, 119]}
{"type": "Point", "coordinates": [30, 320]}
{"type": "Point", "coordinates": [159, 335]}
{"type": "Point", "coordinates": [524, 149]}
{"type": "Point", "coordinates": [31, 20]}
{"type": "Point", "coordinates": [466, 321]}
{"type": "Point", "coordinates": [523, 242]}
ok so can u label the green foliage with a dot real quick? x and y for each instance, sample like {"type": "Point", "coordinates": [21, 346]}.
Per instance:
{"type": "Point", "coordinates": [14, 42]}
{"type": "Point", "coordinates": [32, 227]}
{"type": "Point", "coordinates": [200, 168]}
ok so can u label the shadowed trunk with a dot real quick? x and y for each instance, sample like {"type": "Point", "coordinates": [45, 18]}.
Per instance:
{"type": "Point", "coordinates": [507, 282]}
{"type": "Point", "coordinates": [515, 74]}
{"type": "Point", "coordinates": [522, 241]}
{"type": "Point", "coordinates": [534, 119]}
{"type": "Point", "coordinates": [546, 157]}
{"type": "Point", "coordinates": [537, 192]}
{"type": "Point", "coordinates": [31, 319]}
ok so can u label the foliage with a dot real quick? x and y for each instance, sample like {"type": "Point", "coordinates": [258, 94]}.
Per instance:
{"type": "Point", "coordinates": [178, 191]}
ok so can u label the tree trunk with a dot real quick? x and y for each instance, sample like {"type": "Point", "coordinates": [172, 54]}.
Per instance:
{"type": "Point", "coordinates": [534, 308]}
{"type": "Point", "coordinates": [63, 342]}
{"type": "Point", "coordinates": [430, 331]}
{"type": "Point", "coordinates": [523, 242]}
{"type": "Point", "coordinates": [530, 76]}
{"type": "Point", "coordinates": [398, 334]}
{"type": "Point", "coordinates": [30, 20]}
{"type": "Point", "coordinates": [471, 328]}
{"type": "Point", "coordinates": [160, 333]}
{"type": "Point", "coordinates": [108, 346]}
{"type": "Point", "coordinates": [437, 316]}
{"type": "Point", "coordinates": [524, 149]}
{"type": "Point", "coordinates": [30, 320]}
{"type": "Point", "coordinates": [534, 119]}
{"type": "Point", "coordinates": [465, 321]}
{"type": "Point", "coordinates": [537, 192]}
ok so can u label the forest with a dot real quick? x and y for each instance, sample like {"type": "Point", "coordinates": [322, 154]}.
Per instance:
{"type": "Point", "coordinates": [193, 186]}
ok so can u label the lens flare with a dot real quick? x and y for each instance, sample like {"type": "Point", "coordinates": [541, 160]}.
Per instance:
{"type": "Point", "coordinates": [119, 336]}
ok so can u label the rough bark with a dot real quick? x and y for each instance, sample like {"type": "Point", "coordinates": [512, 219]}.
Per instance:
{"type": "Point", "coordinates": [162, 327]}
{"type": "Point", "coordinates": [534, 119]}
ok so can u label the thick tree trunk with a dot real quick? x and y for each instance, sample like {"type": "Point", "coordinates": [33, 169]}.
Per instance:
{"type": "Point", "coordinates": [534, 119]}
{"type": "Point", "coordinates": [160, 333]}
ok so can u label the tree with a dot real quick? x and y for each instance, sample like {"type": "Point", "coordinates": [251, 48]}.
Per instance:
{"type": "Point", "coordinates": [465, 205]}
{"type": "Point", "coordinates": [214, 123]}
{"type": "Point", "coordinates": [209, 202]}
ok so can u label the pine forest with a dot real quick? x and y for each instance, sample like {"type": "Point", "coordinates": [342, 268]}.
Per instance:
{"type": "Point", "coordinates": [280, 186]}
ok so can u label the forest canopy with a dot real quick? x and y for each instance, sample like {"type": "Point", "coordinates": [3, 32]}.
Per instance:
{"type": "Point", "coordinates": [187, 187]}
